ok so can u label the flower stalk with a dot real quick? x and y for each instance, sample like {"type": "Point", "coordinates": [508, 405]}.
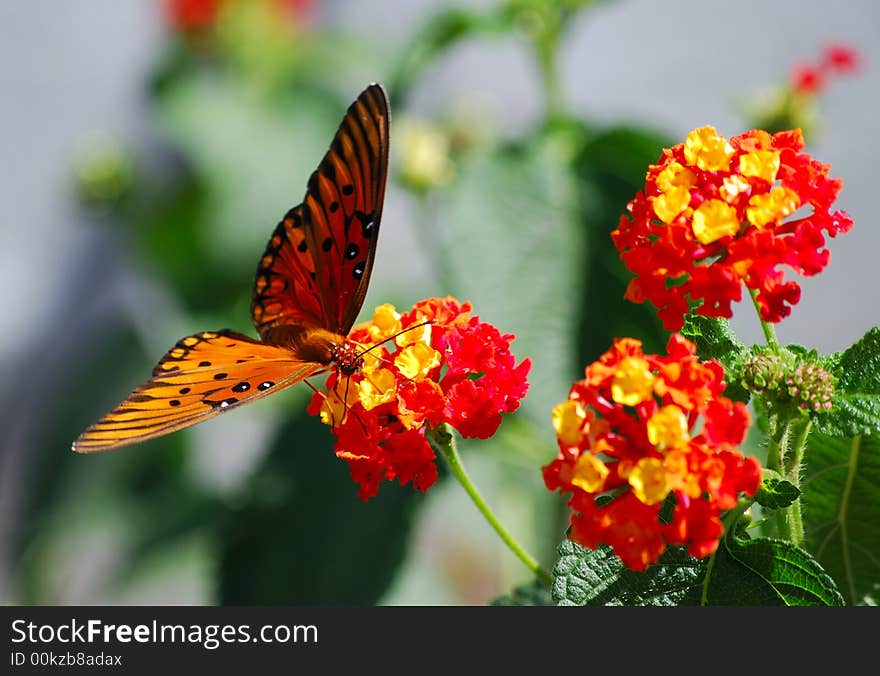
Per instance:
{"type": "Point", "coordinates": [785, 452]}
{"type": "Point", "coordinates": [443, 443]}
{"type": "Point", "coordinates": [768, 328]}
{"type": "Point", "coordinates": [785, 456]}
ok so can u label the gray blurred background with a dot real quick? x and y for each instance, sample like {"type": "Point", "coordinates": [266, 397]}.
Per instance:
{"type": "Point", "coordinates": [71, 69]}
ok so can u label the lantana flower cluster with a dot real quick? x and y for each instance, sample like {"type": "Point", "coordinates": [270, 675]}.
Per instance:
{"type": "Point", "coordinates": [641, 431]}
{"type": "Point", "coordinates": [449, 368]}
{"type": "Point", "coordinates": [716, 214]}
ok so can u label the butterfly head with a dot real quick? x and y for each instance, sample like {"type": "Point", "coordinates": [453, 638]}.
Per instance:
{"type": "Point", "coordinates": [347, 356]}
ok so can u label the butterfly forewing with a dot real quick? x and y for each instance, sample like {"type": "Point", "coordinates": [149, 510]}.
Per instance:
{"type": "Point", "coordinates": [201, 376]}
{"type": "Point", "coordinates": [318, 263]}
{"type": "Point", "coordinates": [285, 291]}
{"type": "Point", "coordinates": [309, 288]}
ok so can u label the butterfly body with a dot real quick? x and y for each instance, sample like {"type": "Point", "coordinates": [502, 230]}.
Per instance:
{"type": "Point", "coordinates": [318, 345]}
{"type": "Point", "coordinates": [309, 287]}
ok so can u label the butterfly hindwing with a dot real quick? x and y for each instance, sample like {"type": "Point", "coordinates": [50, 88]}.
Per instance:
{"type": "Point", "coordinates": [203, 375]}
{"type": "Point", "coordinates": [317, 265]}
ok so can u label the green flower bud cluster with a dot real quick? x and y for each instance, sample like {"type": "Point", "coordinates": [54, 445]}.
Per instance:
{"type": "Point", "coordinates": [786, 380]}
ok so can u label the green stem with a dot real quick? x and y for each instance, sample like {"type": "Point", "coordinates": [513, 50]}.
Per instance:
{"type": "Point", "coordinates": [785, 449]}
{"type": "Point", "coordinates": [794, 467]}
{"type": "Point", "coordinates": [801, 429]}
{"type": "Point", "coordinates": [766, 327]}
{"type": "Point", "coordinates": [443, 443]}
{"type": "Point", "coordinates": [546, 49]}
{"type": "Point", "coordinates": [774, 446]}
{"type": "Point", "coordinates": [794, 523]}
{"type": "Point", "coordinates": [792, 443]}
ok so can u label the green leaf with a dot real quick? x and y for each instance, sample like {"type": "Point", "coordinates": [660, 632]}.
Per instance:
{"type": "Point", "coordinates": [767, 572]}
{"type": "Point", "coordinates": [841, 504]}
{"type": "Point", "coordinates": [856, 402]}
{"type": "Point", "coordinates": [714, 339]}
{"type": "Point", "coordinates": [532, 594]}
{"type": "Point", "coordinates": [586, 577]}
{"type": "Point", "coordinates": [511, 245]}
{"type": "Point", "coordinates": [776, 493]}
{"type": "Point", "coordinates": [755, 572]}
{"type": "Point", "coordinates": [300, 534]}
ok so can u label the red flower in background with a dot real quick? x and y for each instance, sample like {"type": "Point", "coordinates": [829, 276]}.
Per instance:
{"type": "Point", "coordinates": [455, 369]}
{"type": "Point", "coordinates": [841, 58]}
{"type": "Point", "coordinates": [190, 15]}
{"type": "Point", "coordinates": [807, 79]}
{"type": "Point", "coordinates": [716, 214]}
{"type": "Point", "coordinates": [638, 429]}
{"type": "Point", "coordinates": [836, 59]}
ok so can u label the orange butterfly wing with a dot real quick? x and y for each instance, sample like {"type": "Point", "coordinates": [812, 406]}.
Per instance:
{"type": "Point", "coordinates": [201, 376]}
{"type": "Point", "coordinates": [317, 265]}
{"type": "Point", "coordinates": [309, 288]}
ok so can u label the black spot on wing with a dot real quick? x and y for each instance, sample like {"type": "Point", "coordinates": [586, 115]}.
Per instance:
{"type": "Point", "coordinates": [368, 224]}
{"type": "Point", "coordinates": [223, 403]}
{"type": "Point", "coordinates": [293, 216]}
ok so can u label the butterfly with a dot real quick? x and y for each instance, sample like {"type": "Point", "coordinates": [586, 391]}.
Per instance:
{"type": "Point", "coordinates": [308, 290]}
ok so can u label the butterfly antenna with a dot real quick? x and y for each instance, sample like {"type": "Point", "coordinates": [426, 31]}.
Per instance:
{"type": "Point", "coordinates": [345, 405]}
{"type": "Point", "coordinates": [348, 408]}
{"type": "Point", "coordinates": [387, 362]}
{"type": "Point", "coordinates": [314, 389]}
{"type": "Point", "coordinates": [399, 333]}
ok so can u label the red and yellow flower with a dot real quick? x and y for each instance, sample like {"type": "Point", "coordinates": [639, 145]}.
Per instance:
{"type": "Point", "coordinates": [639, 430]}
{"type": "Point", "coordinates": [455, 369]}
{"type": "Point", "coordinates": [717, 213]}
